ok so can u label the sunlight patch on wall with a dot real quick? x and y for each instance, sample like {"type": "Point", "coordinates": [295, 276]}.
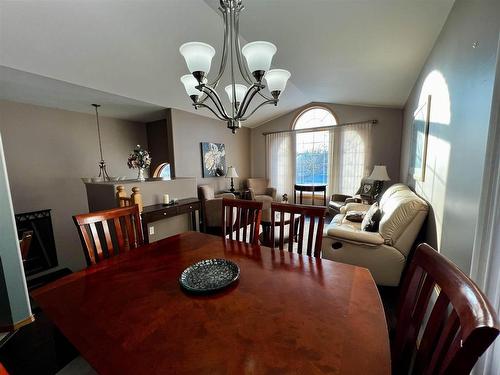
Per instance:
{"type": "Point", "coordinates": [434, 186]}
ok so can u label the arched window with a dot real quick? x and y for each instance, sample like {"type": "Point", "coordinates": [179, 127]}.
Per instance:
{"type": "Point", "coordinates": [312, 148]}
{"type": "Point", "coordinates": [163, 171]}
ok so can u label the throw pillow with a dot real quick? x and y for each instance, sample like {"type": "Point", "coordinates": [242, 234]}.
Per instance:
{"type": "Point", "coordinates": [355, 216]}
{"type": "Point", "coordinates": [372, 219]}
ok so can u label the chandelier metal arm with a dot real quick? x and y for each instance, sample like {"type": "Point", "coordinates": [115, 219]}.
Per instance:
{"type": "Point", "coordinates": [242, 67]}
{"type": "Point", "coordinates": [223, 61]}
{"type": "Point", "coordinates": [211, 110]}
{"type": "Point", "coordinates": [271, 101]}
{"type": "Point", "coordinates": [212, 94]}
{"type": "Point", "coordinates": [248, 98]}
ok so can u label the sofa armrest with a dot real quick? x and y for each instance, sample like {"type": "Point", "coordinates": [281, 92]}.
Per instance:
{"type": "Point", "coordinates": [359, 236]}
{"type": "Point", "coordinates": [355, 207]}
{"type": "Point", "coordinates": [251, 193]}
{"type": "Point", "coordinates": [271, 192]}
{"type": "Point", "coordinates": [226, 195]}
{"type": "Point", "coordinates": [339, 197]}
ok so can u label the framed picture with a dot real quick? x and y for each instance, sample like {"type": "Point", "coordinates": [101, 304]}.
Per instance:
{"type": "Point", "coordinates": [420, 135]}
{"type": "Point", "coordinates": [213, 159]}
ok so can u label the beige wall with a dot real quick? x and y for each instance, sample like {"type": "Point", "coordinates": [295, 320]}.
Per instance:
{"type": "Point", "coordinates": [189, 130]}
{"type": "Point", "coordinates": [48, 150]}
{"type": "Point", "coordinates": [386, 134]}
{"type": "Point", "coordinates": [460, 79]}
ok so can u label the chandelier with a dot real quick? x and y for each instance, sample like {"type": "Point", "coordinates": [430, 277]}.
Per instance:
{"type": "Point", "coordinates": [258, 56]}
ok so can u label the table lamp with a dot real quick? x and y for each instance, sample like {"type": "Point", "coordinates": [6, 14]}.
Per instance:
{"type": "Point", "coordinates": [379, 175]}
{"type": "Point", "coordinates": [231, 173]}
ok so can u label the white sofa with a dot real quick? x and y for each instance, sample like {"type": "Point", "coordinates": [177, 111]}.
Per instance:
{"type": "Point", "coordinates": [384, 252]}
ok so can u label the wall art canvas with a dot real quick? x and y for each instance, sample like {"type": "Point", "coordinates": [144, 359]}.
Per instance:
{"type": "Point", "coordinates": [213, 159]}
{"type": "Point", "coordinates": [420, 134]}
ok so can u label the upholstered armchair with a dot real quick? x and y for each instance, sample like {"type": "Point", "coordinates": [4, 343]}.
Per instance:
{"type": "Point", "coordinates": [259, 190]}
{"type": "Point", "coordinates": [212, 208]}
{"type": "Point", "coordinates": [365, 190]}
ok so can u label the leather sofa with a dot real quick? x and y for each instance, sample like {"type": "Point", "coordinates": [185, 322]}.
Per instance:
{"type": "Point", "coordinates": [384, 252]}
{"type": "Point", "coordinates": [337, 201]}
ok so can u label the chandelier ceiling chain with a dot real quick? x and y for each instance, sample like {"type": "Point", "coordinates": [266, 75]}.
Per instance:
{"type": "Point", "coordinates": [258, 56]}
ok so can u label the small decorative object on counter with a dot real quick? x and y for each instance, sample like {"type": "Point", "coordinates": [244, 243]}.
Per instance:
{"type": "Point", "coordinates": [139, 159]}
{"type": "Point", "coordinates": [284, 198]}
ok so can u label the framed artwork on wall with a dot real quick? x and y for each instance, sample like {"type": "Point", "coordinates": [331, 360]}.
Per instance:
{"type": "Point", "coordinates": [420, 135]}
{"type": "Point", "coordinates": [213, 159]}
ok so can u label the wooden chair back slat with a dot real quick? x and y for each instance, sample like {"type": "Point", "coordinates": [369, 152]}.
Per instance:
{"type": "Point", "coordinates": [92, 224]}
{"type": "Point", "coordinates": [97, 241]}
{"type": "Point", "coordinates": [316, 219]}
{"type": "Point", "coordinates": [301, 233]}
{"type": "Point", "coordinates": [107, 236]}
{"type": "Point", "coordinates": [291, 233]}
{"type": "Point", "coordinates": [247, 218]}
{"type": "Point", "coordinates": [461, 323]}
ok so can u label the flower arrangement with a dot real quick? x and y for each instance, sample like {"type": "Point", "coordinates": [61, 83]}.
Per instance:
{"type": "Point", "coordinates": [139, 158]}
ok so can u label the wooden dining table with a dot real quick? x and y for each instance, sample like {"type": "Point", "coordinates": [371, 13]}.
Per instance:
{"type": "Point", "coordinates": [287, 313]}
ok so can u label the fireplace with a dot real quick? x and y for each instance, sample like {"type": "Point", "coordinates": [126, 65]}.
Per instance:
{"type": "Point", "coordinates": [41, 254]}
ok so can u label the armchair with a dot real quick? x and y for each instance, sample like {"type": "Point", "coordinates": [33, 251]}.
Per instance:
{"type": "Point", "coordinates": [365, 193]}
{"type": "Point", "coordinates": [259, 190]}
{"type": "Point", "coordinates": [211, 205]}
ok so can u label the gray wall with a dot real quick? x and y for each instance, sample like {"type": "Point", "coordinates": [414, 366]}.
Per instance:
{"type": "Point", "coordinates": [460, 79]}
{"type": "Point", "coordinates": [386, 146]}
{"type": "Point", "coordinates": [190, 129]}
{"type": "Point", "coordinates": [48, 150]}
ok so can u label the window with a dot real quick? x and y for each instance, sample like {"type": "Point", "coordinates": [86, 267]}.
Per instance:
{"type": "Point", "coordinates": [311, 163]}
{"type": "Point", "coordinates": [163, 171]}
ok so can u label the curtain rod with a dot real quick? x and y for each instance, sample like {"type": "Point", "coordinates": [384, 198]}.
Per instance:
{"type": "Point", "coordinates": [321, 127]}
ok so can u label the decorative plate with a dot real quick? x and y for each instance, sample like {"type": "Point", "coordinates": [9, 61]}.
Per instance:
{"type": "Point", "coordinates": [209, 275]}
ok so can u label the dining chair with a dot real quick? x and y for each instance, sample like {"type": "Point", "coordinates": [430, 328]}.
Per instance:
{"type": "Point", "coordinates": [444, 320]}
{"type": "Point", "coordinates": [241, 218]}
{"type": "Point", "coordinates": [298, 217]}
{"type": "Point", "coordinates": [104, 232]}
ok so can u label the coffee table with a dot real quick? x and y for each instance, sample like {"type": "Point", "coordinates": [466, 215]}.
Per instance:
{"type": "Point", "coordinates": [265, 236]}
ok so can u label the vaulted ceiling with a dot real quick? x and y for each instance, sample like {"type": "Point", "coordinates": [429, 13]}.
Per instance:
{"type": "Point", "coordinates": [366, 52]}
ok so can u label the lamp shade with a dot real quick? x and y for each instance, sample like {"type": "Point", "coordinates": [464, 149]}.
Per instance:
{"type": "Point", "coordinates": [259, 55]}
{"type": "Point", "coordinates": [190, 84]}
{"type": "Point", "coordinates": [276, 79]}
{"type": "Point", "coordinates": [240, 92]}
{"type": "Point", "coordinates": [198, 56]}
{"type": "Point", "coordinates": [231, 172]}
{"type": "Point", "coordinates": [379, 173]}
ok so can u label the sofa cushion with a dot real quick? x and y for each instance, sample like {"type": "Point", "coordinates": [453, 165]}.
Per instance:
{"type": "Point", "coordinates": [371, 219]}
{"type": "Point", "coordinates": [354, 234]}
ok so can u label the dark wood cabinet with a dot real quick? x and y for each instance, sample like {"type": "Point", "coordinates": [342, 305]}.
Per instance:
{"type": "Point", "coordinates": [158, 212]}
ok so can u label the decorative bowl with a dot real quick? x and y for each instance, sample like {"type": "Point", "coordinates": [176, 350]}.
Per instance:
{"type": "Point", "coordinates": [209, 276]}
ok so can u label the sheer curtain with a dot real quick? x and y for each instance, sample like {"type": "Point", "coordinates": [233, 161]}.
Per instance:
{"type": "Point", "coordinates": [350, 157]}
{"type": "Point", "coordinates": [280, 162]}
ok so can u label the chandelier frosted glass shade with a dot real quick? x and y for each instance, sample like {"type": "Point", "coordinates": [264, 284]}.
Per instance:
{"type": "Point", "coordinates": [198, 56]}
{"type": "Point", "coordinates": [190, 84]}
{"type": "Point", "coordinates": [276, 80]}
{"type": "Point", "coordinates": [240, 92]}
{"type": "Point", "coordinates": [259, 55]}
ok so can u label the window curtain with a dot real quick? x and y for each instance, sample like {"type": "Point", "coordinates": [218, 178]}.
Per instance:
{"type": "Point", "coordinates": [349, 157]}
{"type": "Point", "coordinates": [280, 163]}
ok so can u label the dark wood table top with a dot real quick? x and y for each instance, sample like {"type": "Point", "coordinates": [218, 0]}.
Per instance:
{"type": "Point", "coordinates": [287, 314]}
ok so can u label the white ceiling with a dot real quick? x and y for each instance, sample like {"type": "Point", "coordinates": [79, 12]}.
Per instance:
{"type": "Point", "coordinates": [366, 52]}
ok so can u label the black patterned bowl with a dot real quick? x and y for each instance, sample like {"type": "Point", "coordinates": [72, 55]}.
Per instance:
{"type": "Point", "coordinates": [209, 275]}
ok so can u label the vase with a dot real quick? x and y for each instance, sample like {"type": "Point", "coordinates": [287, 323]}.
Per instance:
{"type": "Point", "coordinates": [140, 176]}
